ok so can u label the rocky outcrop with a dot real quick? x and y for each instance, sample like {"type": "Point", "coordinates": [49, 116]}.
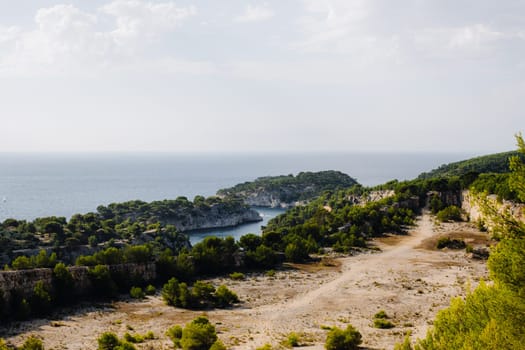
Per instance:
{"type": "Point", "coordinates": [472, 204]}
{"type": "Point", "coordinates": [372, 196]}
{"type": "Point", "coordinates": [214, 217]}
{"type": "Point", "coordinates": [268, 199]}
{"type": "Point", "coordinates": [22, 282]}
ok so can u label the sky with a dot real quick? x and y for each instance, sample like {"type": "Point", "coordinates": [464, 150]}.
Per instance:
{"type": "Point", "coordinates": [261, 76]}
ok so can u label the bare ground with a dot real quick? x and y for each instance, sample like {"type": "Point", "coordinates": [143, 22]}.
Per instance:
{"type": "Point", "coordinates": [408, 278]}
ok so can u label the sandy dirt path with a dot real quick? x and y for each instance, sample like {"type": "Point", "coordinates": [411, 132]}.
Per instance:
{"type": "Point", "coordinates": [410, 283]}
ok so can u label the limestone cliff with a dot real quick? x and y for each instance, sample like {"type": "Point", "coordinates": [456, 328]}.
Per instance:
{"type": "Point", "coordinates": [471, 203]}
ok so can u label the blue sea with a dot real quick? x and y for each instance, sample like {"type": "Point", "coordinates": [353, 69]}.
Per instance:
{"type": "Point", "coordinates": [37, 185]}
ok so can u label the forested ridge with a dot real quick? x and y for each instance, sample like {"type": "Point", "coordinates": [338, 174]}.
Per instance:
{"type": "Point", "coordinates": [287, 189]}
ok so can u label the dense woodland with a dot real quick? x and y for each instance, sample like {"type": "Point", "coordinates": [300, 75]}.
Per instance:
{"type": "Point", "coordinates": [338, 219]}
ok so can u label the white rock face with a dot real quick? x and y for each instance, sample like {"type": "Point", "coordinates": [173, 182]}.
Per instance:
{"type": "Point", "coordinates": [213, 219]}
{"type": "Point", "coordinates": [471, 204]}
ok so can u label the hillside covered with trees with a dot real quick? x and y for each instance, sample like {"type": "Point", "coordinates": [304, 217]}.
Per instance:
{"type": "Point", "coordinates": [492, 163]}
{"type": "Point", "coordinates": [285, 190]}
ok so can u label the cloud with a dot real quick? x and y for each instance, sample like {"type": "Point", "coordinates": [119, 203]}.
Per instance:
{"type": "Point", "coordinates": [145, 19]}
{"type": "Point", "coordinates": [334, 26]}
{"type": "Point", "coordinates": [255, 14]}
{"type": "Point", "coordinates": [475, 36]}
{"type": "Point", "coordinates": [66, 39]}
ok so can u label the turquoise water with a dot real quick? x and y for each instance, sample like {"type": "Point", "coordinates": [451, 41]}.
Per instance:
{"type": "Point", "coordinates": [238, 231]}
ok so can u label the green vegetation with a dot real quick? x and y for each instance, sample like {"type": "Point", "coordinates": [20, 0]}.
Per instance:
{"type": "Point", "coordinates": [450, 243]}
{"type": "Point", "coordinates": [303, 230]}
{"type": "Point", "coordinates": [200, 295]}
{"type": "Point", "coordinates": [110, 341]}
{"type": "Point", "coordinates": [289, 188]}
{"type": "Point", "coordinates": [339, 339]}
{"type": "Point", "coordinates": [450, 213]}
{"type": "Point", "coordinates": [383, 324]}
{"type": "Point", "coordinates": [150, 290]}
{"type": "Point", "coordinates": [137, 293]}
{"type": "Point", "coordinates": [293, 340]}
{"type": "Point", "coordinates": [491, 316]}
{"type": "Point", "coordinates": [381, 320]}
{"type": "Point", "coordinates": [237, 276]}
{"type": "Point", "coordinates": [199, 334]}
{"type": "Point", "coordinates": [493, 163]}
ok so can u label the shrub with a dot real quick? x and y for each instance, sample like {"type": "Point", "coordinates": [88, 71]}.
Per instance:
{"type": "Point", "coordinates": [338, 339]}
{"type": "Point", "coordinates": [383, 323]}
{"type": "Point", "coordinates": [149, 335]}
{"type": "Point", "coordinates": [108, 341]}
{"type": "Point", "coordinates": [225, 297]}
{"type": "Point", "coordinates": [40, 300]}
{"type": "Point", "coordinates": [199, 334]}
{"type": "Point", "coordinates": [63, 283]}
{"type": "Point", "coordinates": [218, 345]}
{"type": "Point", "coordinates": [381, 314]}
{"type": "Point", "coordinates": [405, 345]}
{"type": "Point", "coordinates": [137, 338]}
{"type": "Point", "coordinates": [170, 292]}
{"type": "Point", "coordinates": [450, 213]}
{"type": "Point", "coordinates": [447, 242]}
{"type": "Point", "coordinates": [265, 347]}
{"type": "Point", "coordinates": [125, 346]}
{"type": "Point", "coordinates": [150, 290]}
{"type": "Point", "coordinates": [103, 284]}
{"type": "Point", "coordinates": [237, 276]}
{"type": "Point", "coordinates": [175, 334]}
{"type": "Point", "coordinates": [137, 293]}
{"type": "Point", "coordinates": [293, 339]}
{"type": "Point", "coordinates": [32, 343]}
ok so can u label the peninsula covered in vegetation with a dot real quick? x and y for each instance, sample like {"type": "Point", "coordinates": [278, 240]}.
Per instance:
{"type": "Point", "coordinates": [288, 190]}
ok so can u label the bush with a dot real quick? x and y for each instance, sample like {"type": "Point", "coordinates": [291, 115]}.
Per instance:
{"type": "Point", "coordinates": [175, 334]}
{"type": "Point", "coordinates": [32, 343]}
{"type": "Point", "coordinates": [338, 339]}
{"type": "Point", "coordinates": [225, 297]}
{"type": "Point", "coordinates": [218, 345]}
{"type": "Point", "coordinates": [405, 345]}
{"type": "Point", "coordinates": [108, 341]}
{"type": "Point", "coordinates": [446, 242]}
{"type": "Point", "coordinates": [237, 276]}
{"type": "Point", "coordinates": [63, 283]}
{"type": "Point", "coordinates": [137, 338]}
{"type": "Point", "coordinates": [293, 340]}
{"type": "Point", "coordinates": [383, 323]}
{"type": "Point", "coordinates": [450, 213]}
{"type": "Point", "coordinates": [40, 300]}
{"type": "Point", "coordinates": [125, 346]}
{"type": "Point", "coordinates": [381, 314]}
{"type": "Point", "coordinates": [137, 293]}
{"type": "Point", "coordinates": [170, 292]}
{"type": "Point", "coordinates": [150, 290]}
{"type": "Point", "coordinates": [264, 347]}
{"type": "Point", "coordinates": [199, 334]}
{"type": "Point", "coordinates": [103, 284]}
